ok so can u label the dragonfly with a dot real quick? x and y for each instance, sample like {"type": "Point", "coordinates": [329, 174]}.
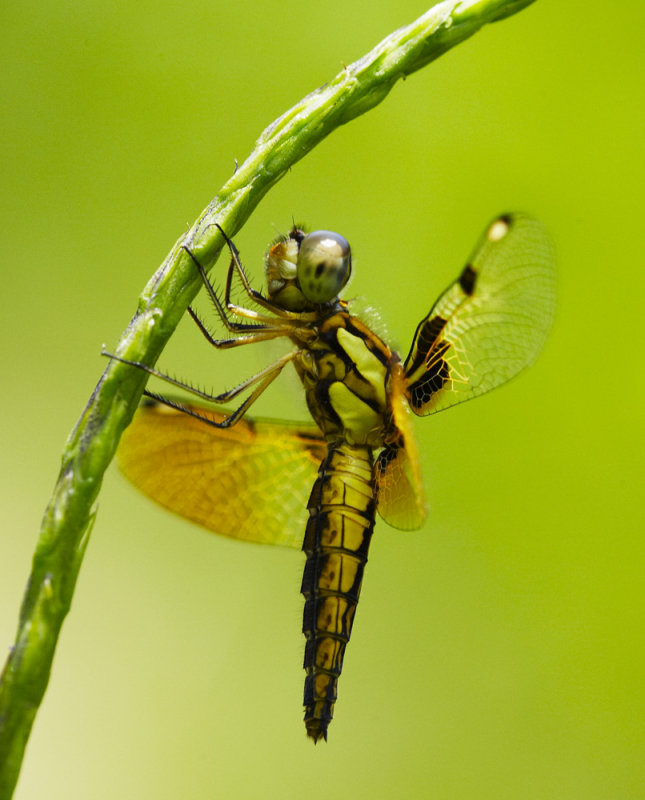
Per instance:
{"type": "Point", "coordinates": [319, 485]}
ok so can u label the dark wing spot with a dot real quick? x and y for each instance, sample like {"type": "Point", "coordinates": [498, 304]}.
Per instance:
{"type": "Point", "coordinates": [468, 279]}
{"type": "Point", "coordinates": [433, 380]}
{"type": "Point", "coordinates": [431, 330]}
{"type": "Point", "coordinates": [427, 334]}
{"type": "Point", "coordinates": [385, 457]}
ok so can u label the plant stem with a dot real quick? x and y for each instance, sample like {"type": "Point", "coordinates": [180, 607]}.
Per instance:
{"type": "Point", "coordinates": [91, 445]}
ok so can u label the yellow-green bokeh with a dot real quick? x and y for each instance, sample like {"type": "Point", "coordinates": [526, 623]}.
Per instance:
{"type": "Point", "coordinates": [499, 652]}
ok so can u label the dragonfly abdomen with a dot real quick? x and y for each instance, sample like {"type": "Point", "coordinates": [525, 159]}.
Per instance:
{"type": "Point", "coordinates": [337, 537]}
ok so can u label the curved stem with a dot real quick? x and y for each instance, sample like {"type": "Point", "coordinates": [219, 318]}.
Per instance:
{"type": "Point", "coordinates": [92, 443]}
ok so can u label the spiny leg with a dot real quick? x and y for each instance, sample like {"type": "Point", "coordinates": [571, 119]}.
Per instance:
{"type": "Point", "coordinates": [260, 333]}
{"type": "Point", "coordinates": [261, 321]}
{"type": "Point", "coordinates": [266, 377]}
{"type": "Point", "coordinates": [272, 371]}
{"type": "Point", "coordinates": [263, 379]}
{"type": "Point", "coordinates": [256, 296]}
{"type": "Point", "coordinates": [287, 319]}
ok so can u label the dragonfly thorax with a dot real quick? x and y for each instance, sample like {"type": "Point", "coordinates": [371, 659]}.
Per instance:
{"type": "Point", "coordinates": [307, 270]}
{"type": "Point", "coordinates": [345, 371]}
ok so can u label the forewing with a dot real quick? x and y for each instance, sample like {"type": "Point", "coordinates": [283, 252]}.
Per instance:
{"type": "Point", "coordinates": [491, 323]}
{"type": "Point", "coordinates": [397, 473]}
{"type": "Point", "coordinates": [251, 481]}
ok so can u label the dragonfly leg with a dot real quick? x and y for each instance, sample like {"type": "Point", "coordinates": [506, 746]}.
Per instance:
{"type": "Point", "coordinates": [256, 296]}
{"type": "Point", "coordinates": [254, 333]}
{"type": "Point", "coordinates": [222, 311]}
{"type": "Point", "coordinates": [226, 308]}
{"type": "Point", "coordinates": [263, 379]}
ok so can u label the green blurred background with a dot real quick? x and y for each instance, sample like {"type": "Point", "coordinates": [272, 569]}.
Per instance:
{"type": "Point", "coordinates": [499, 652]}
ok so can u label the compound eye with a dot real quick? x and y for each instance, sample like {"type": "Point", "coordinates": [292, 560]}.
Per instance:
{"type": "Point", "coordinates": [324, 265]}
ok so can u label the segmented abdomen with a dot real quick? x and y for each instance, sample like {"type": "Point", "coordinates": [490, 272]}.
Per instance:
{"type": "Point", "coordinates": [341, 521]}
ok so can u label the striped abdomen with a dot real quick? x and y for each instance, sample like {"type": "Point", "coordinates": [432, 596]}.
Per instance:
{"type": "Point", "coordinates": [341, 521]}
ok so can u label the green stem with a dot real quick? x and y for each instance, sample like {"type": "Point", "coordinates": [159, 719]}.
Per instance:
{"type": "Point", "coordinates": [92, 443]}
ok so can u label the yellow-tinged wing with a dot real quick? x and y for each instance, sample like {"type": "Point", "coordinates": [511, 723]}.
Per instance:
{"type": "Point", "coordinates": [251, 481]}
{"type": "Point", "coordinates": [397, 473]}
{"type": "Point", "coordinates": [491, 323]}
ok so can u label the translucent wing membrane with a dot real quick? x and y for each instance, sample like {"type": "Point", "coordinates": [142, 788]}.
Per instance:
{"type": "Point", "coordinates": [490, 324]}
{"type": "Point", "coordinates": [397, 473]}
{"type": "Point", "coordinates": [251, 481]}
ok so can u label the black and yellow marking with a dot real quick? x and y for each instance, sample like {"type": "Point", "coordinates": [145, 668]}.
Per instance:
{"type": "Point", "coordinates": [429, 371]}
{"type": "Point", "coordinates": [345, 382]}
{"type": "Point", "coordinates": [425, 340]}
{"type": "Point", "coordinates": [337, 538]}
{"type": "Point", "coordinates": [344, 371]}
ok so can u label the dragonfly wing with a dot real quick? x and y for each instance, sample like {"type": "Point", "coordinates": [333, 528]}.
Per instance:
{"type": "Point", "coordinates": [491, 323]}
{"type": "Point", "coordinates": [251, 481]}
{"type": "Point", "coordinates": [397, 472]}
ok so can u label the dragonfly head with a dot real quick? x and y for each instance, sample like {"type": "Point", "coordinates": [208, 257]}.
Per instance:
{"type": "Point", "coordinates": [305, 270]}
